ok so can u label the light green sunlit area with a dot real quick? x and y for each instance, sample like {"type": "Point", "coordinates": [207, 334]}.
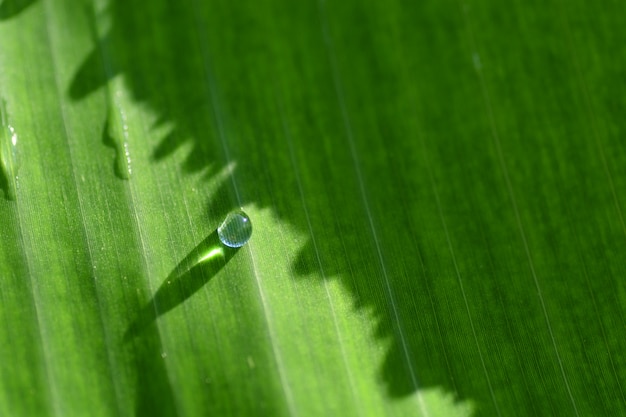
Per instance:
{"type": "Point", "coordinates": [436, 190]}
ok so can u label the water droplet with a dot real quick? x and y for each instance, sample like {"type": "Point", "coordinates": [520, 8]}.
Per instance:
{"type": "Point", "coordinates": [122, 153]}
{"type": "Point", "coordinates": [9, 156]}
{"type": "Point", "coordinates": [235, 230]}
{"type": "Point", "coordinates": [116, 135]}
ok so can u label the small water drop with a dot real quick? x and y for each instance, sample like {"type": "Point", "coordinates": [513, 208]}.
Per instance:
{"type": "Point", "coordinates": [9, 154]}
{"type": "Point", "coordinates": [235, 230]}
{"type": "Point", "coordinates": [116, 135]}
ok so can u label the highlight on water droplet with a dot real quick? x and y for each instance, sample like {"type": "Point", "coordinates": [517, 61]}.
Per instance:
{"type": "Point", "coordinates": [235, 230]}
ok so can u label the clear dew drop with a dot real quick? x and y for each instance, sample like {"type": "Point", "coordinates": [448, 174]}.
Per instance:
{"type": "Point", "coordinates": [117, 135]}
{"type": "Point", "coordinates": [235, 230]}
{"type": "Point", "coordinates": [9, 154]}
{"type": "Point", "coordinates": [123, 168]}
{"type": "Point", "coordinates": [122, 151]}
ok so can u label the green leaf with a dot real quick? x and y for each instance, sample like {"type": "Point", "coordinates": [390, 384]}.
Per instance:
{"type": "Point", "coordinates": [435, 188]}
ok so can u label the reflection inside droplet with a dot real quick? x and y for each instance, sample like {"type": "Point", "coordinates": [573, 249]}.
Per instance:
{"type": "Point", "coordinates": [235, 230]}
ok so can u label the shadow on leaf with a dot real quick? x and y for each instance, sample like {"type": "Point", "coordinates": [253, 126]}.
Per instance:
{"type": "Point", "coordinates": [423, 236]}
{"type": "Point", "coordinates": [189, 276]}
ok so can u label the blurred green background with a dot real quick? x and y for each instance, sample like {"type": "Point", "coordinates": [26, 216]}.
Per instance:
{"type": "Point", "coordinates": [436, 190]}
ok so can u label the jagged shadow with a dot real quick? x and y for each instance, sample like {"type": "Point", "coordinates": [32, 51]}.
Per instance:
{"type": "Point", "coordinates": [157, 52]}
{"type": "Point", "coordinates": [192, 273]}
{"type": "Point", "coordinates": [165, 75]}
{"type": "Point", "coordinates": [446, 282]}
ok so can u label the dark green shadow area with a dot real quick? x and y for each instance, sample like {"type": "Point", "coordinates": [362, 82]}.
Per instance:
{"type": "Point", "coordinates": [162, 66]}
{"type": "Point", "coordinates": [12, 8]}
{"type": "Point", "coordinates": [4, 185]}
{"type": "Point", "coordinates": [455, 179]}
{"type": "Point", "coordinates": [154, 395]}
{"type": "Point", "coordinates": [189, 276]}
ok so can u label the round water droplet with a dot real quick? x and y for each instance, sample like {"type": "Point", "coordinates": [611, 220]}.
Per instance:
{"type": "Point", "coordinates": [235, 230]}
